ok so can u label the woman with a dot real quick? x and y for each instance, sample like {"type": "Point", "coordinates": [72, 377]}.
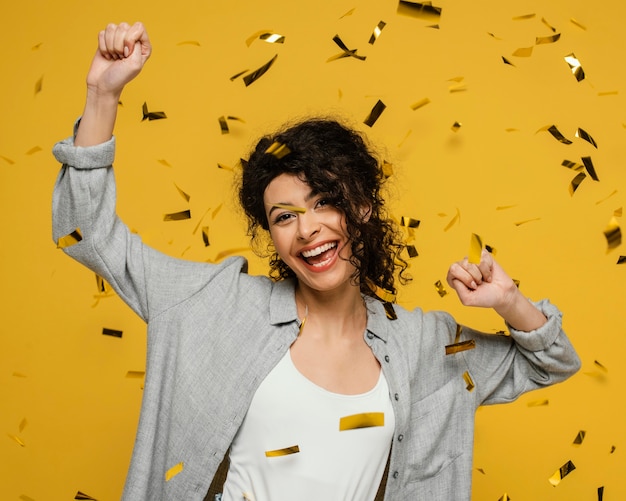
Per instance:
{"type": "Point", "coordinates": [312, 383]}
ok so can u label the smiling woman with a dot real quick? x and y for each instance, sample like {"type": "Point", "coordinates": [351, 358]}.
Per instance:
{"type": "Point", "coordinates": [310, 385]}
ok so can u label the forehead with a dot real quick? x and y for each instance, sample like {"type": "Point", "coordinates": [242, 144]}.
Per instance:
{"type": "Point", "coordinates": [286, 188]}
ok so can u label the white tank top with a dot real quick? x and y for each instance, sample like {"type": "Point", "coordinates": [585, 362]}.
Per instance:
{"type": "Point", "coordinates": [301, 442]}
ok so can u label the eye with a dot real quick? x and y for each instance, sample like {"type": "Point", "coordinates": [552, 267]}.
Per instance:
{"type": "Point", "coordinates": [323, 203]}
{"type": "Point", "coordinates": [284, 217]}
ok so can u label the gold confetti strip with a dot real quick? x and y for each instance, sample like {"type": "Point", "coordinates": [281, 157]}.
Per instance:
{"type": "Point", "coordinates": [151, 115]}
{"type": "Point", "coordinates": [613, 234]}
{"type": "Point", "coordinates": [375, 113]}
{"type": "Point", "coordinates": [455, 219]}
{"type": "Point", "coordinates": [456, 126]}
{"type": "Point", "coordinates": [205, 236]}
{"type": "Point", "coordinates": [33, 150]}
{"type": "Point", "coordinates": [582, 134]}
{"type": "Point", "coordinates": [259, 72]}
{"type": "Point", "coordinates": [572, 165]}
{"type": "Point", "coordinates": [102, 284]}
{"type": "Point", "coordinates": [589, 167]}
{"type": "Point", "coordinates": [345, 51]}
{"type": "Point", "coordinates": [612, 449]}
{"type": "Point", "coordinates": [383, 294]}
{"type": "Point", "coordinates": [608, 93]}
{"type": "Point", "coordinates": [164, 162]}
{"type": "Point", "coordinates": [376, 33]}
{"type": "Point", "coordinates": [600, 366]}
{"type": "Point", "coordinates": [39, 85]}
{"type": "Point", "coordinates": [538, 403]}
{"type": "Point", "coordinates": [69, 240]}
{"type": "Point", "coordinates": [580, 438]}
{"type": "Point", "coordinates": [411, 251]}
{"type": "Point", "coordinates": [552, 28]}
{"type": "Point", "coordinates": [575, 66]}
{"type": "Point", "coordinates": [561, 473]}
{"type": "Point", "coordinates": [493, 36]}
{"type": "Point", "coordinates": [19, 374]}
{"type": "Point", "coordinates": [387, 169]}
{"type": "Point", "coordinates": [469, 382]}
{"type": "Point", "coordinates": [476, 249]}
{"type": "Point", "coordinates": [552, 129]}
{"type": "Point", "coordinates": [621, 260]}
{"type": "Point", "coordinates": [294, 449]}
{"type": "Point", "coordinates": [420, 10]}
{"type": "Point", "coordinates": [17, 439]}
{"type": "Point", "coordinates": [177, 216]}
{"type": "Point", "coordinates": [112, 332]}
{"type": "Point", "coordinates": [173, 471]}
{"type": "Point", "coordinates": [349, 13]}
{"type": "Point", "coordinates": [36, 46]}
{"type": "Point", "coordinates": [22, 425]}
{"type": "Point", "coordinates": [618, 212]}
{"type": "Point", "coordinates": [600, 493]}
{"type": "Point", "coordinates": [216, 211]}
{"type": "Point", "coordinates": [481, 470]}
{"type": "Point", "coordinates": [189, 42]}
{"type": "Point", "coordinates": [524, 17]}
{"type": "Point", "coordinates": [291, 208]}
{"type": "Point", "coordinates": [272, 38]}
{"type": "Point", "coordinates": [225, 167]}
{"type": "Point", "coordinates": [441, 290]}
{"type": "Point", "coordinates": [490, 249]}
{"type": "Point", "coordinates": [223, 125]}
{"type": "Point", "coordinates": [549, 39]}
{"type": "Point", "coordinates": [24, 497]}
{"type": "Point", "coordinates": [451, 349]}
{"type": "Point", "coordinates": [420, 104]}
{"type": "Point", "coordinates": [505, 207]}
{"type": "Point", "coordinates": [523, 52]}
{"type": "Point", "coordinates": [576, 23]}
{"type": "Point", "coordinates": [409, 222]}
{"type": "Point", "coordinates": [364, 420]}
{"type": "Point", "coordinates": [520, 223]}
{"type": "Point", "coordinates": [613, 193]}
{"type": "Point", "coordinates": [182, 193]}
{"type": "Point", "coordinates": [135, 374]}
{"type": "Point", "coordinates": [7, 160]}
{"type": "Point", "coordinates": [237, 75]}
{"type": "Point", "coordinates": [278, 150]}
{"type": "Point", "coordinates": [84, 497]}
{"type": "Point", "coordinates": [505, 497]}
{"type": "Point", "coordinates": [575, 183]}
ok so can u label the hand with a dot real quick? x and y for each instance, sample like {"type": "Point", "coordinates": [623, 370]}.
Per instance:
{"type": "Point", "coordinates": [484, 284]}
{"type": "Point", "coordinates": [122, 52]}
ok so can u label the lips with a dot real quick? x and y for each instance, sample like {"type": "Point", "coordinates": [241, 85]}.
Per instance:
{"type": "Point", "coordinates": [320, 255]}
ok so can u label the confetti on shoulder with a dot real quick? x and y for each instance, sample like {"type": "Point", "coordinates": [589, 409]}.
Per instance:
{"type": "Point", "coordinates": [294, 449]}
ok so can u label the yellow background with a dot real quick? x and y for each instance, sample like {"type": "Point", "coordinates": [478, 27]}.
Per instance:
{"type": "Point", "coordinates": [64, 390]}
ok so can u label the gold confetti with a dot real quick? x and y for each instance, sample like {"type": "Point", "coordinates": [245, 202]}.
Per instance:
{"type": "Point", "coordinates": [468, 381]}
{"type": "Point", "coordinates": [345, 51]}
{"type": "Point", "coordinates": [383, 294]}
{"type": "Point", "coordinates": [39, 85]}
{"type": "Point", "coordinates": [561, 473]}
{"type": "Point", "coordinates": [33, 150]}
{"type": "Point", "coordinates": [621, 260]}
{"type": "Point", "coordinates": [589, 167]}
{"type": "Point", "coordinates": [19, 374]}
{"type": "Point", "coordinates": [582, 134]}
{"type": "Point", "coordinates": [613, 234]}
{"type": "Point", "coordinates": [223, 125]}
{"type": "Point", "coordinates": [552, 28]}
{"type": "Point", "coordinates": [17, 439]}
{"type": "Point", "coordinates": [151, 115]}
{"type": "Point", "coordinates": [112, 332]}
{"type": "Point", "coordinates": [216, 211]}
{"type": "Point", "coordinates": [237, 75]}
{"type": "Point", "coordinates": [524, 52]}
{"type": "Point", "coordinates": [272, 38]}
{"type": "Point", "coordinates": [505, 497]}
{"type": "Point", "coordinates": [420, 104]}
{"type": "Point", "coordinates": [259, 72]}
{"type": "Point", "coordinates": [548, 39]}
{"type": "Point", "coordinates": [135, 374]}
{"type": "Point", "coordinates": [476, 249]}
{"type": "Point", "coordinates": [387, 169]}
{"type": "Point", "coordinates": [580, 437]}
{"type": "Point", "coordinates": [451, 349]}
{"type": "Point", "coordinates": [377, 110]}
{"type": "Point", "coordinates": [377, 30]}
{"type": "Point", "coordinates": [411, 251]}
{"type": "Point", "coordinates": [520, 223]}
{"type": "Point", "coordinates": [225, 167]}
{"type": "Point", "coordinates": [364, 420]}
{"type": "Point", "coordinates": [613, 193]}
{"type": "Point", "coordinates": [182, 193]}
{"type": "Point", "coordinates": [349, 13]}
{"type": "Point", "coordinates": [69, 240]}
{"type": "Point", "coordinates": [455, 219]}
{"type": "Point", "coordinates": [189, 42]}
{"type": "Point", "coordinates": [278, 150]}
{"type": "Point", "coordinates": [409, 222]}
{"type": "Point", "coordinates": [600, 493]}
{"type": "Point", "coordinates": [524, 17]}
{"type": "Point", "coordinates": [177, 216]}
{"type": "Point", "coordinates": [456, 126]}
{"type": "Point", "coordinates": [205, 236]}
{"type": "Point", "coordinates": [441, 290]}
{"type": "Point", "coordinates": [420, 10]}
{"type": "Point", "coordinates": [291, 208]}
{"type": "Point", "coordinates": [173, 471]}
{"type": "Point", "coordinates": [600, 366]}
{"type": "Point", "coordinates": [7, 160]}
{"type": "Point", "coordinates": [538, 403]}
{"type": "Point", "coordinates": [552, 129]}
{"type": "Point", "coordinates": [22, 425]}
{"type": "Point", "coordinates": [24, 497]}
{"type": "Point", "coordinates": [84, 497]}
{"type": "Point", "coordinates": [572, 165]}
{"type": "Point", "coordinates": [164, 162]}
{"type": "Point", "coordinates": [294, 449]}
{"type": "Point", "coordinates": [575, 66]}
{"type": "Point", "coordinates": [505, 207]}
{"type": "Point", "coordinates": [618, 212]}
{"type": "Point", "coordinates": [575, 183]}
{"type": "Point", "coordinates": [576, 23]}
{"type": "Point", "coordinates": [36, 46]}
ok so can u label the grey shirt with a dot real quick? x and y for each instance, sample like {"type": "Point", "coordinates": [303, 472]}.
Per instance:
{"type": "Point", "coordinates": [215, 332]}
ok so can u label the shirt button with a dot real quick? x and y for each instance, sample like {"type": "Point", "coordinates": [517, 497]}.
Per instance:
{"type": "Point", "coordinates": [400, 437]}
{"type": "Point", "coordinates": [395, 474]}
{"type": "Point", "coordinates": [370, 335]}
{"type": "Point", "coordinates": [386, 358]}
{"type": "Point", "coordinates": [396, 396]}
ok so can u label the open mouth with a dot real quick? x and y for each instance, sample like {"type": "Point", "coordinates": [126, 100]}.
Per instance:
{"type": "Point", "coordinates": [319, 256]}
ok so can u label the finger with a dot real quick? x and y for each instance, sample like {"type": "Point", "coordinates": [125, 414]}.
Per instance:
{"type": "Point", "coordinates": [109, 41]}
{"type": "Point", "coordinates": [137, 33]}
{"type": "Point", "coordinates": [102, 46]}
{"type": "Point", "coordinates": [119, 39]}
{"type": "Point", "coordinates": [458, 274]}
{"type": "Point", "coordinates": [486, 266]}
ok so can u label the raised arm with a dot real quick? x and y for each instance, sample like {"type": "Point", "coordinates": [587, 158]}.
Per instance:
{"type": "Point", "coordinates": [122, 51]}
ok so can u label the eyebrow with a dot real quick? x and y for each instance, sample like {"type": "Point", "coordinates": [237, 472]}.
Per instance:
{"type": "Point", "coordinates": [294, 208]}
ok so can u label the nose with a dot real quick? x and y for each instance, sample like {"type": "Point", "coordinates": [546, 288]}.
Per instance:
{"type": "Point", "coordinates": [308, 225]}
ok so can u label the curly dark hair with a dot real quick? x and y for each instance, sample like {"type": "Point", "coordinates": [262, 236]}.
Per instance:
{"type": "Point", "coordinates": [333, 160]}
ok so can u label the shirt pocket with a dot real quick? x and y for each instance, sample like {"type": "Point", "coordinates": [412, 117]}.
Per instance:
{"type": "Point", "coordinates": [441, 429]}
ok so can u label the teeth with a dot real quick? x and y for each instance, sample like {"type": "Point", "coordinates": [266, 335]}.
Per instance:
{"type": "Point", "coordinates": [318, 250]}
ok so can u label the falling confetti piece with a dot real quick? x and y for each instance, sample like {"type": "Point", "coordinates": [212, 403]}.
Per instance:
{"type": "Point", "coordinates": [349, 13]}
{"type": "Point", "coordinates": [481, 470]}
{"type": "Point", "coordinates": [613, 193]}
{"type": "Point", "coordinates": [420, 104]}
{"type": "Point", "coordinates": [135, 374]}
{"type": "Point", "coordinates": [294, 449]}
{"type": "Point", "coordinates": [173, 471]}
{"type": "Point", "coordinates": [506, 61]}
{"type": "Point", "coordinates": [552, 129]}
{"type": "Point", "coordinates": [345, 51]}
{"type": "Point", "coordinates": [33, 150]}
{"type": "Point", "coordinates": [612, 449]}
{"type": "Point", "coordinates": [84, 497]}
{"type": "Point", "coordinates": [618, 212]}
{"type": "Point", "coordinates": [164, 162]}
{"type": "Point", "coordinates": [409, 222]}
{"type": "Point", "coordinates": [112, 332]}
{"type": "Point", "coordinates": [19, 374]}
{"type": "Point", "coordinates": [589, 167]}
{"type": "Point", "coordinates": [39, 85]}
{"type": "Point", "coordinates": [580, 437]}
{"type": "Point", "coordinates": [177, 216]}
{"type": "Point", "coordinates": [613, 234]}
{"type": "Point", "coordinates": [561, 473]}
{"type": "Point", "coordinates": [524, 52]}
{"type": "Point", "coordinates": [441, 290]}
{"type": "Point", "coordinates": [456, 126]}
{"type": "Point", "coordinates": [621, 260]}
{"type": "Point", "coordinates": [455, 219]}
{"type": "Point", "coordinates": [278, 150]}
{"type": "Point", "coordinates": [575, 183]}
{"type": "Point", "coordinates": [7, 160]}
{"type": "Point", "coordinates": [377, 30]}
{"type": "Point", "coordinates": [182, 193]}
{"type": "Point", "coordinates": [237, 75]}
{"type": "Point", "coordinates": [151, 115]}
{"type": "Point", "coordinates": [575, 66]}
{"type": "Point", "coordinates": [205, 236]}
{"type": "Point", "coordinates": [469, 382]}
{"type": "Point", "coordinates": [291, 208]}
{"type": "Point", "coordinates": [582, 134]}
{"type": "Point", "coordinates": [24, 497]}
{"type": "Point", "coordinates": [451, 349]}
{"type": "Point", "coordinates": [572, 165]}
{"type": "Point", "coordinates": [364, 420]}
{"type": "Point", "coordinates": [412, 251]}
{"type": "Point", "coordinates": [539, 403]}
{"type": "Point", "coordinates": [576, 23]}
{"type": "Point", "coordinates": [259, 72]}
{"type": "Point", "coordinates": [22, 425]}
{"type": "Point", "coordinates": [552, 28]}
{"type": "Point", "coordinates": [600, 366]}
{"type": "Point", "coordinates": [69, 240]}
{"type": "Point", "coordinates": [526, 221]}
{"type": "Point", "coordinates": [549, 39]}
{"type": "Point", "coordinates": [189, 42]}
{"type": "Point", "coordinates": [375, 113]}
{"type": "Point", "coordinates": [505, 497]}
{"type": "Point", "coordinates": [387, 170]}
{"type": "Point", "coordinates": [420, 10]}
{"type": "Point", "coordinates": [524, 17]}
{"type": "Point", "coordinates": [216, 211]}
{"type": "Point", "coordinates": [17, 439]}
{"type": "Point", "coordinates": [476, 249]}
{"type": "Point", "coordinates": [272, 38]}
{"type": "Point", "coordinates": [600, 493]}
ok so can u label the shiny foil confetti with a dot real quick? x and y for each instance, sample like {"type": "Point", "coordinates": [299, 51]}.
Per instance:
{"type": "Point", "coordinates": [278, 150]}
{"type": "Point", "coordinates": [205, 236]}
{"type": "Point", "coordinates": [590, 168]}
{"type": "Point", "coordinates": [613, 234]}
{"type": "Point", "coordinates": [409, 222]}
{"type": "Point", "coordinates": [272, 38]}
{"type": "Point", "coordinates": [582, 134]}
{"type": "Point", "coordinates": [84, 497]}
{"type": "Point", "coordinates": [600, 493]}
{"type": "Point", "coordinates": [291, 208]}
{"type": "Point", "coordinates": [506, 61]}
{"type": "Point", "coordinates": [376, 33]}
{"type": "Point", "coordinates": [580, 438]}
{"type": "Point", "coordinates": [16, 439]}
{"type": "Point", "coordinates": [345, 51]}
{"type": "Point", "coordinates": [151, 115]}
{"type": "Point", "coordinates": [469, 382]}
{"type": "Point", "coordinates": [454, 220]}
{"type": "Point", "coordinates": [575, 66]}
{"type": "Point", "coordinates": [33, 150]}
{"type": "Point", "coordinates": [135, 374]}
{"type": "Point", "coordinates": [182, 193]}
{"type": "Point", "coordinates": [177, 216]}
{"type": "Point", "coordinates": [112, 332]}
{"type": "Point", "coordinates": [411, 251]}
{"type": "Point", "coordinates": [294, 449]}
{"type": "Point", "coordinates": [173, 471]}
{"type": "Point", "coordinates": [456, 126]}
{"type": "Point", "coordinates": [505, 497]}
{"type": "Point", "coordinates": [538, 403]}
{"type": "Point", "coordinates": [189, 42]}
{"type": "Point", "coordinates": [420, 104]}
{"type": "Point", "coordinates": [7, 160]}
{"type": "Point", "coordinates": [561, 473]}
{"type": "Point", "coordinates": [546, 23]}
{"type": "Point", "coordinates": [420, 10]}
{"type": "Point", "coordinates": [576, 23]}
{"type": "Point", "coordinates": [451, 349]}
{"type": "Point", "coordinates": [621, 260]}
{"type": "Point", "coordinates": [572, 165]}
{"type": "Point", "coordinates": [38, 85]}
{"type": "Point", "coordinates": [548, 39]}
{"type": "Point", "coordinates": [69, 240]}
{"type": "Point", "coordinates": [441, 290]}
{"type": "Point", "coordinates": [552, 129]}
{"type": "Point", "coordinates": [524, 17]}
{"type": "Point", "coordinates": [523, 52]}
{"type": "Point", "coordinates": [383, 294]}
{"type": "Point", "coordinates": [364, 420]}
{"type": "Point", "coordinates": [575, 183]}
{"type": "Point", "coordinates": [387, 170]}
{"type": "Point", "coordinates": [259, 72]}
{"type": "Point", "coordinates": [375, 113]}
{"type": "Point", "coordinates": [476, 249]}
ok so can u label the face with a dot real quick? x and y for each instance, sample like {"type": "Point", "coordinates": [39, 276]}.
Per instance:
{"type": "Point", "coordinates": [309, 234]}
